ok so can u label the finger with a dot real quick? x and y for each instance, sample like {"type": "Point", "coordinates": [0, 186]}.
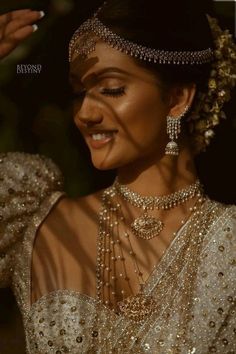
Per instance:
{"type": "Point", "coordinates": [22, 33]}
{"type": "Point", "coordinates": [19, 13]}
{"type": "Point", "coordinates": [21, 22]}
{"type": "Point", "coordinates": [7, 45]}
{"type": "Point", "coordinates": [5, 18]}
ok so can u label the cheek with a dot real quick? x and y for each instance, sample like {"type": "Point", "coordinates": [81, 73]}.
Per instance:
{"type": "Point", "coordinates": [143, 118]}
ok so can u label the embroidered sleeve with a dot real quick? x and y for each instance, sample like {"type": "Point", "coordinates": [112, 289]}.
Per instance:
{"type": "Point", "coordinates": [25, 181]}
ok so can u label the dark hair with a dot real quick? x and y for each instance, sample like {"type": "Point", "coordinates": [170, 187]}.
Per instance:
{"type": "Point", "coordinates": [169, 25]}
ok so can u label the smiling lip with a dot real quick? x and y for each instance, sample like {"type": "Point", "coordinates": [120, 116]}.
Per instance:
{"type": "Point", "coordinates": [98, 144]}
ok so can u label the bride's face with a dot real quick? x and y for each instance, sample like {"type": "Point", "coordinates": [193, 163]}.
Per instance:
{"type": "Point", "coordinates": [121, 112]}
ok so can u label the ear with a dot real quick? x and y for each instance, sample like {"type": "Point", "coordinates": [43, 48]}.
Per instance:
{"type": "Point", "coordinates": [180, 98]}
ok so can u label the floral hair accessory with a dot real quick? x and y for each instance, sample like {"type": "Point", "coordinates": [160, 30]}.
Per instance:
{"type": "Point", "coordinates": [207, 111]}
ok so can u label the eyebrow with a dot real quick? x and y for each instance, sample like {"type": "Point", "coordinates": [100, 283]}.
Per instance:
{"type": "Point", "coordinates": [112, 69]}
{"type": "Point", "coordinates": [103, 71]}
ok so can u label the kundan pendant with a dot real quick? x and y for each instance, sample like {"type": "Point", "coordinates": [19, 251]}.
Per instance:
{"type": "Point", "coordinates": [138, 307]}
{"type": "Point", "coordinates": [147, 226]}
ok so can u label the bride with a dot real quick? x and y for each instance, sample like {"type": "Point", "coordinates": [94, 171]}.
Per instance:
{"type": "Point", "coordinates": [147, 264]}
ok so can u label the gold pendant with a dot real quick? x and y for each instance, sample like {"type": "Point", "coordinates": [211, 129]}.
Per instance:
{"type": "Point", "coordinates": [137, 307]}
{"type": "Point", "coordinates": [147, 226]}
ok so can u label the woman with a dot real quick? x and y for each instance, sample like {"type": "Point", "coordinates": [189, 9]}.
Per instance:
{"type": "Point", "coordinates": [148, 264]}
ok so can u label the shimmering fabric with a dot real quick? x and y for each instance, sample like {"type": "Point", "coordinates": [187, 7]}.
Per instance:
{"type": "Point", "coordinates": [194, 284]}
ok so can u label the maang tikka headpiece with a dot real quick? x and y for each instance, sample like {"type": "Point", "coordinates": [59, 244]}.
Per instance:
{"type": "Point", "coordinates": [93, 29]}
{"type": "Point", "coordinates": [207, 111]}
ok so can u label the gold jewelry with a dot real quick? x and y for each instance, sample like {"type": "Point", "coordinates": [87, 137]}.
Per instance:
{"type": "Point", "coordinates": [173, 130]}
{"type": "Point", "coordinates": [93, 27]}
{"type": "Point", "coordinates": [147, 226]}
{"type": "Point", "coordinates": [113, 239]}
{"type": "Point", "coordinates": [138, 307]}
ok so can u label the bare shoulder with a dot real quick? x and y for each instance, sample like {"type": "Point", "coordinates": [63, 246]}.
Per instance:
{"type": "Point", "coordinates": [72, 216]}
{"type": "Point", "coordinates": [86, 207]}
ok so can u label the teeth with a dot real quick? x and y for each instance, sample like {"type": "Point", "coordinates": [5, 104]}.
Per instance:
{"type": "Point", "coordinates": [101, 136]}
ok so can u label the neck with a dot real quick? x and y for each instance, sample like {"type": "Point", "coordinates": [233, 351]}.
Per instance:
{"type": "Point", "coordinates": [165, 176]}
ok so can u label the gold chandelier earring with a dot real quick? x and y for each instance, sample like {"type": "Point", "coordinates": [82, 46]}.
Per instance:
{"type": "Point", "coordinates": [173, 131]}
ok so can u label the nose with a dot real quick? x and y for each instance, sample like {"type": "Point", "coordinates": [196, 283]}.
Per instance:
{"type": "Point", "coordinates": [89, 114]}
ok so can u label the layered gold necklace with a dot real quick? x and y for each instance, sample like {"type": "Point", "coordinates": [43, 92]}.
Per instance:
{"type": "Point", "coordinates": [114, 233]}
{"type": "Point", "coordinates": [147, 226]}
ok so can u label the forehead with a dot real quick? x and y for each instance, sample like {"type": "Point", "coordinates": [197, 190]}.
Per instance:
{"type": "Point", "coordinates": [104, 56]}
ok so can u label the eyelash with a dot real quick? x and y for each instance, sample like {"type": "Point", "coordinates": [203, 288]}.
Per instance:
{"type": "Point", "coordinates": [120, 91]}
{"type": "Point", "coordinates": [113, 92]}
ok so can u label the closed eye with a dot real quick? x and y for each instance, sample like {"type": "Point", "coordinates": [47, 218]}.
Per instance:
{"type": "Point", "coordinates": [116, 92]}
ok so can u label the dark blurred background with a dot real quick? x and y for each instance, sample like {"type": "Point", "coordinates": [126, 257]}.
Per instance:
{"type": "Point", "coordinates": [36, 117]}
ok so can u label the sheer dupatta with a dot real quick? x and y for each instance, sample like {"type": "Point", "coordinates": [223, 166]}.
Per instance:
{"type": "Point", "coordinates": [194, 291]}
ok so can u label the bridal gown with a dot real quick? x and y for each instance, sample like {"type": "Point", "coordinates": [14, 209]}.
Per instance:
{"type": "Point", "coordinates": [194, 284]}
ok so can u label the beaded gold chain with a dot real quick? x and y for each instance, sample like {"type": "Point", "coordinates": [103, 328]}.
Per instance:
{"type": "Point", "coordinates": [110, 251]}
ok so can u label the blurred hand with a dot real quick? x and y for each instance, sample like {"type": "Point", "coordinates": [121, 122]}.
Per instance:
{"type": "Point", "coordinates": [15, 26]}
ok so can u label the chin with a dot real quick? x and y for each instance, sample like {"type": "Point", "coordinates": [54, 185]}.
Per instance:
{"type": "Point", "coordinates": [104, 160]}
{"type": "Point", "coordinates": [103, 165]}
{"type": "Point", "coordinates": [113, 161]}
